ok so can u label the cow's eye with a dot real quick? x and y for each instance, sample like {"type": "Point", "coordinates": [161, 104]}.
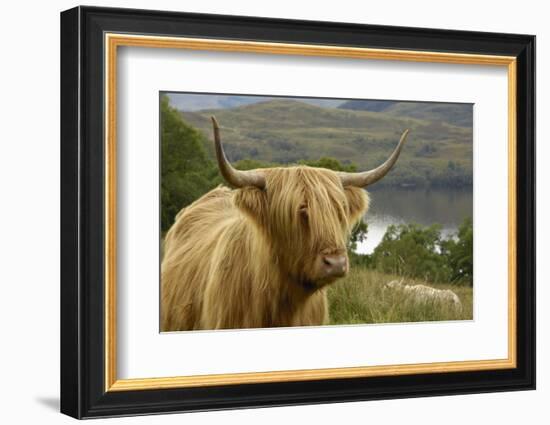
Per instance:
{"type": "Point", "coordinates": [303, 211]}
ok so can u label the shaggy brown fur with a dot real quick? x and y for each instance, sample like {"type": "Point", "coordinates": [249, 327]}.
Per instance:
{"type": "Point", "coordinates": [245, 258]}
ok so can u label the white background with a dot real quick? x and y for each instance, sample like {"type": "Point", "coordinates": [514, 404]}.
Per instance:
{"type": "Point", "coordinates": [29, 225]}
{"type": "Point", "coordinates": [145, 72]}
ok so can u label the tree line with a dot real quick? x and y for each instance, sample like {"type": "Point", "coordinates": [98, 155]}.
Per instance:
{"type": "Point", "coordinates": [422, 252]}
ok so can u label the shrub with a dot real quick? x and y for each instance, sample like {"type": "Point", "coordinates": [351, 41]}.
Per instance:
{"type": "Point", "coordinates": [412, 250]}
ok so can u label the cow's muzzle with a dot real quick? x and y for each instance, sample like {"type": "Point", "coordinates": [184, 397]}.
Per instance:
{"type": "Point", "coordinates": [334, 265]}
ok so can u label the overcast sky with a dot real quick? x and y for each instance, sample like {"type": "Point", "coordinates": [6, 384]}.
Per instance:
{"type": "Point", "coordinates": [197, 102]}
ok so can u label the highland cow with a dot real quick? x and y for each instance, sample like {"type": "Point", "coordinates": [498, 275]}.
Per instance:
{"type": "Point", "coordinates": [262, 254]}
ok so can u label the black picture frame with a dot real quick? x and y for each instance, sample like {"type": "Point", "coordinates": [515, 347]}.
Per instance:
{"type": "Point", "coordinates": [83, 392]}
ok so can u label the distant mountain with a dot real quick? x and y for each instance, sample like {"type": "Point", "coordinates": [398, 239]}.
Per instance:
{"type": "Point", "coordinates": [286, 131]}
{"type": "Point", "coordinates": [323, 103]}
{"type": "Point", "coordinates": [459, 114]}
{"type": "Point", "coordinates": [196, 102]}
{"type": "Point", "coordinates": [367, 105]}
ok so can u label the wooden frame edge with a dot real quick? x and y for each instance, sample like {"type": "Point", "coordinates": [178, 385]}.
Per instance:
{"type": "Point", "coordinates": [306, 375]}
{"type": "Point", "coordinates": [512, 212]}
{"type": "Point", "coordinates": [110, 212]}
{"type": "Point", "coordinates": [114, 40]}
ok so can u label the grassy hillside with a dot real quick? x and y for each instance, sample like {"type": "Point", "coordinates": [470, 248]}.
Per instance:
{"type": "Point", "coordinates": [368, 105]}
{"type": "Point", "coordinates": [455, 114]}
{"type": "Point", "coordinates": [286, 131]}
{"type": "Point", "coordinates": [459, 114]}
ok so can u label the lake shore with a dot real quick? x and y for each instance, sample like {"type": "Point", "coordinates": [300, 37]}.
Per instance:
{"type": "Point", "coordinates": [446, 207]}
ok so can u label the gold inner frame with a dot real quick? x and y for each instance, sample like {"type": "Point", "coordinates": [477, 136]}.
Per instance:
{"type": "Point", "coordinates": [113, 41]}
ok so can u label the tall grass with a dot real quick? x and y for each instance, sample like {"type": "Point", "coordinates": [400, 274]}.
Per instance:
{"type": "Point", "coordinates": [361, 298]}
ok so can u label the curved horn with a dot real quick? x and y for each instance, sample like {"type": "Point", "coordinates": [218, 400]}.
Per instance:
{"type": "Point", "coordinates": [369, 177]}
{"type": "Point", "coordinates": [235, 178]}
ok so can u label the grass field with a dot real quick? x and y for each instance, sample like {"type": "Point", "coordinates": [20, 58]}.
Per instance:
{"type": "Point", "coordinates": [361, 298]}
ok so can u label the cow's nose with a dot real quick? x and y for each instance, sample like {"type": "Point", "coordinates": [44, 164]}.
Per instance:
{"type": "Point", "coordinates": [335, 265]}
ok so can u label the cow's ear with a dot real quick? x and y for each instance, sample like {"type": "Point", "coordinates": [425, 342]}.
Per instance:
{"type": "Point", "coordinates": [358, 203]}
{"type": "Point", "coordinates": [252, 201]}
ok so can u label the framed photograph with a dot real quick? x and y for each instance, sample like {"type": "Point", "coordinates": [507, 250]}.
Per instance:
{"type": "Point", "coordinates": [261, 212]}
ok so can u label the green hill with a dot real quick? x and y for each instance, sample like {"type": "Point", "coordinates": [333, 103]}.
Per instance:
{"type": "Point", "coordinates": [285, 131]}
{"type": "Point", "coordinates": [459, 114]}
{"type": "Point", "coordinates": [367, 105]}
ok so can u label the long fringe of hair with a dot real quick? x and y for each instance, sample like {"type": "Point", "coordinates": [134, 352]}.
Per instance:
{"type": "Point", "coordinates": [233, 258]}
